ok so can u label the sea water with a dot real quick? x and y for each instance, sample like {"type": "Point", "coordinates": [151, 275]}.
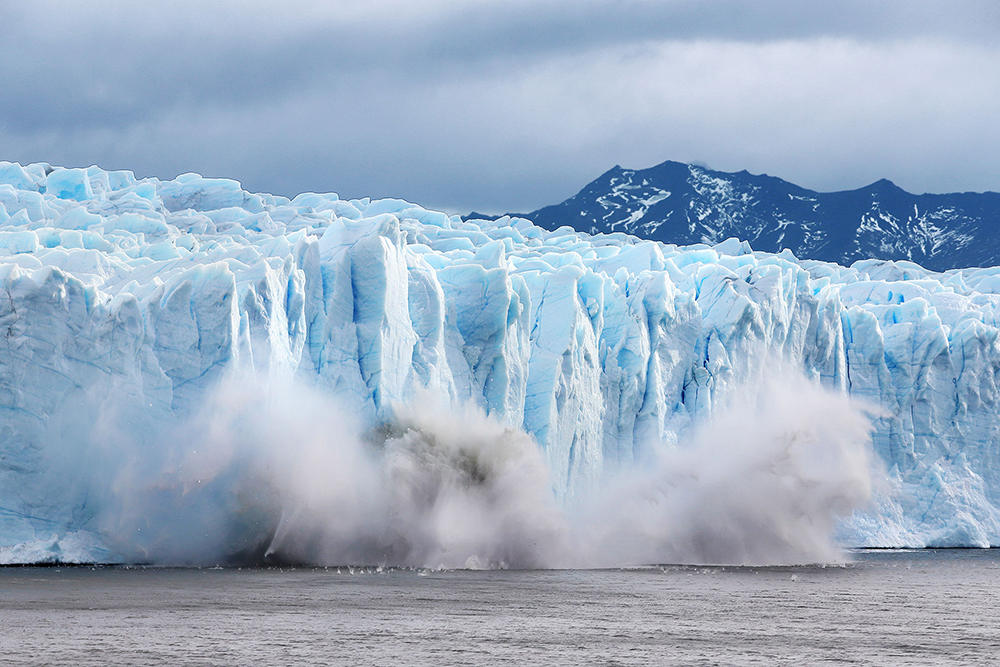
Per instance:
{"type": "Point", "coordinates": [883, 608]}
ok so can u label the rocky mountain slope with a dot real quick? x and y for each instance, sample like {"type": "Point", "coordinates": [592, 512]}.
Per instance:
{"type": "Point", "coordinates": [686, 204]}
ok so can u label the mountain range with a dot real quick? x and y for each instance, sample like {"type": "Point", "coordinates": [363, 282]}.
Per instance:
{"type": "Point", "coordinates": [686, 204]}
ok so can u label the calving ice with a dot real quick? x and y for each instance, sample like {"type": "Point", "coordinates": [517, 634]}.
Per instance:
{"type": "Point", "coordinates": [193, 373]}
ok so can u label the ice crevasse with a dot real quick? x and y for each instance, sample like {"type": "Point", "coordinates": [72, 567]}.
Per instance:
{"type": "Point", "coordinates": [118, 291]}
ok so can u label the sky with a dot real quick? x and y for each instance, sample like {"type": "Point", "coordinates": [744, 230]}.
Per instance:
{"type": "Point", "coordinates": [505, 105]}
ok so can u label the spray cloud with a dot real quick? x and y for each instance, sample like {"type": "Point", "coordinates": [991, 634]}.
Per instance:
{"type": "Point", "coordinates": [275, 472]}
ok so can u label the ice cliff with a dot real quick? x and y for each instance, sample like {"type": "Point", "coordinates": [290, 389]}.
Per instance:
{"type": "Point", "coordinates": [124, 301]}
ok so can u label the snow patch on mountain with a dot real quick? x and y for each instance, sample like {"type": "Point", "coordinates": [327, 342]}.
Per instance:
{"type": "Point", "coordinates": [879, 221]}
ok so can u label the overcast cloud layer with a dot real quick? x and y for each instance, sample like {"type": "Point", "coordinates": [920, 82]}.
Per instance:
{"type": "Point", "coordinates": [505, 105]}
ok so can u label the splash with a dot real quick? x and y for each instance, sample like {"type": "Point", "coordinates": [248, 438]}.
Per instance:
{"type": "Point", "coordinates": [762, 483]}
{"type": "Point", "coordinates": [277, 473]}
{"type": "Point", "coordinates": [443, 489]}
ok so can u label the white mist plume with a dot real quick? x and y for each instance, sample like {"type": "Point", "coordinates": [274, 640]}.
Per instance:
{"type": "Point", "coordinates": [447, 489]}
{"type": "Point", "coordinates": [279, 472]}
{"type": "Point", "coordinates": [763, 482]}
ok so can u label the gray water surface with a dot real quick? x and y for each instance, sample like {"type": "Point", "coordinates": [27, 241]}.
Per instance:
{"type": "Point", "coordinates": [886, 608]}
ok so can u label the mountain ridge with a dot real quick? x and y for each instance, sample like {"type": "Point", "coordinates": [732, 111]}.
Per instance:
{"type": "Point", "coordinates": [686, 204]}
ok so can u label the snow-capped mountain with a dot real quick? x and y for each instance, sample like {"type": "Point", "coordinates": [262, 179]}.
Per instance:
{"type": "Point", "coordinates": [687, 204]}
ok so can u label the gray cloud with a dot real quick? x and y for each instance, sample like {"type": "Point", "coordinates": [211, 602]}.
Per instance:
{"type": "Point", "coordinates": [505, 105]}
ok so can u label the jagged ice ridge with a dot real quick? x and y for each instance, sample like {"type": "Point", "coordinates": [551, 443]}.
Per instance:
{"type": "Point", "coordinates": [115, 290]}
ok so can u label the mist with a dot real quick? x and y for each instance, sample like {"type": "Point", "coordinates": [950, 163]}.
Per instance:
{"type": "Point", "coordinates": [268, 472]}
{"type": "Point", "coordinates": [761, 483]}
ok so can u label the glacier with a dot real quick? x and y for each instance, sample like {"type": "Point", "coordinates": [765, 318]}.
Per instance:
{"type": "Point", "coordinates": [125, 302]}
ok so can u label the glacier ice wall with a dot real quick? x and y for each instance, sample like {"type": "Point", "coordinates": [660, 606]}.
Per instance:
{"type": "Point", "coordinates": [124, 301]}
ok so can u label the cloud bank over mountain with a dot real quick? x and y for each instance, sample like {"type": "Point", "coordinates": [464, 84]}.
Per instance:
{"type": "Point", "coordinates": [505, 105]}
